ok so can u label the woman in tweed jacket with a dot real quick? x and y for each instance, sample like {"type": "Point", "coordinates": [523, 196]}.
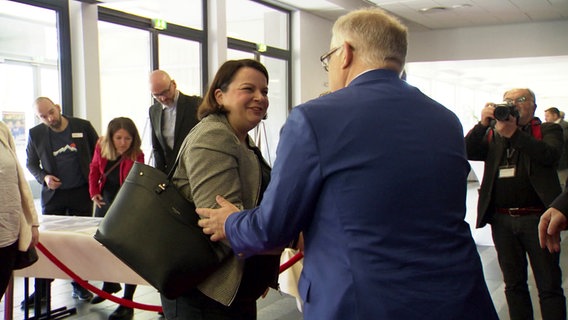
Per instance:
{"type": "Point", "coordinates": [218, 158]}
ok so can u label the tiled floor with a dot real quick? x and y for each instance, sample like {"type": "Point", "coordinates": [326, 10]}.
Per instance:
{"type": "Point", "coordinates": [283, 307]}
{"type": "Point", "coordinates": [274, 306]}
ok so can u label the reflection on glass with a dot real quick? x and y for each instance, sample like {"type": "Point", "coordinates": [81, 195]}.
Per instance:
{"type": "Point", "coordinates": [181, 59]}
{"type": "Point", "coordinates": [186, 13]}
{"type": "Point", "coordinates": [257, 23]}
{"type": "Point", "coordinates": [125, 65]}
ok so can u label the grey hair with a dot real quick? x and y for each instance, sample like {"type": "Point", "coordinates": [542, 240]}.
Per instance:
{"type": "Point", "coordinates": [378, 36]}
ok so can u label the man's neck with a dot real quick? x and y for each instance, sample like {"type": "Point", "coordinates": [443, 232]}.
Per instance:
{"type": "Point", "coordinates": [64, 124]}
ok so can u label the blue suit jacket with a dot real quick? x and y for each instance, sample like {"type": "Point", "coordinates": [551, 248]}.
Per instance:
{"type": "Point", "coordinates": [375, 176]}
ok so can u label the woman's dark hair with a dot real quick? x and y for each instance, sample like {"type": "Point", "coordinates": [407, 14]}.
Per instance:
{"type": "Point", "coordinates": [108, 150]}
{"type": "Point", "coordinates": [223, 78]}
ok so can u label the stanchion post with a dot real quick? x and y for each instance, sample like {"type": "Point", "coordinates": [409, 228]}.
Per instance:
{"type": "Point", "coordinates": [9, 300]}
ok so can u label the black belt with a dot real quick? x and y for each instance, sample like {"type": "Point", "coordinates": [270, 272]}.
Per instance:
{"type": "Point", "coordinates": [515, 212]}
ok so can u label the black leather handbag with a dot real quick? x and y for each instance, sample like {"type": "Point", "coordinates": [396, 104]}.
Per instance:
{"type": "Point", "coordinates": [26, 258]}
{"type": "Point", "coordinates": [152, 228]}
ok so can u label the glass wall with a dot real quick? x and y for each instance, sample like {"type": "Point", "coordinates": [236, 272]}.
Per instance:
{"type": "Point", "coordinates": [130, 48]}
{"type": "Point", "coordinates": [278, 108]}
{"type": "Point", "coordinates": [257, 31]}
{"type": "Point", "coordinates": [187, 13]}
{"type": "Point", "coordinates": [465, 101]}
{"type": "Point", "coordinates": [181, 59]}
{"type": "Point", "coordinates": [260, 31]}
{"type": "Point", "coordinates": [29, 66]}
{"type": "Point", "coordinates": [257, 23]}
{"type": "Point", "coordinates": [124, 55]}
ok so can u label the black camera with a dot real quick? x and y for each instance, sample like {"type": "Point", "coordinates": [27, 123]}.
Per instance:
{"type": "Point", "coordinates": [504, 110]}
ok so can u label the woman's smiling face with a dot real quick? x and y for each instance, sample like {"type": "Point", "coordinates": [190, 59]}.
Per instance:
{"type": "Point", "coordinates": [245, 100]}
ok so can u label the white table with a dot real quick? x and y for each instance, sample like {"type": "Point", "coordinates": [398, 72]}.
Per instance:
{"type": "Point", "coordinates": [70, 239]}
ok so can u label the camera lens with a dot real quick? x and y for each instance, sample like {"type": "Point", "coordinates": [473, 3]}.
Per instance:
{"type": "Point", "coordinates": [501, 113]}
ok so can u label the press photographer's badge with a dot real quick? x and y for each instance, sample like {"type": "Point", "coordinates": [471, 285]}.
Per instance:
{"type": "Point", "coordinates": [507, 172]}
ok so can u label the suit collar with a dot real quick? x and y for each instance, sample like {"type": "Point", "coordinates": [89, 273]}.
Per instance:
{"type": "Point", "coordinates": [374, 74]}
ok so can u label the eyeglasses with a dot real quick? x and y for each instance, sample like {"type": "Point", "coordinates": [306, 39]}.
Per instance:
{"type": "Point", "coordinates": [163, 93]}
{"type": "Point", "coordinates": [515, 101]}
{"type": "Point", "coordinates": [325, 58]}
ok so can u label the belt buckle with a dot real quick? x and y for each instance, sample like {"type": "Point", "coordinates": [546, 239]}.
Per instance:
{"type": "Point", "coordinates": [511, 210]}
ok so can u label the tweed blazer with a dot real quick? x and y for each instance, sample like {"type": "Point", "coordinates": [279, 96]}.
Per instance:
{"type": "Point", "coordinates": [212, 161]}
{"type": "Point", "coordinates": [29, 214]}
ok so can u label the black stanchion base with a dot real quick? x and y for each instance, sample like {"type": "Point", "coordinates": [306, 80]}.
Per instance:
{"type": "Point", "coordinates": [58, 313]}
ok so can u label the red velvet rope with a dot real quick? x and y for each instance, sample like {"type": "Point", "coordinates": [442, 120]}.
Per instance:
{"type": "Point", "coordinates": [295, 258]}
{"type": "Point", "coordinates": [90, 287]}
{"type": "Point", "coordinates": [129, 303]}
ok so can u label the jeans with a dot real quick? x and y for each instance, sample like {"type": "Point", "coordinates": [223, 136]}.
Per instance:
{"type": "Point", "coordinates": [515, 237]}
{"type": "Point", "coordinates": [70, 202]}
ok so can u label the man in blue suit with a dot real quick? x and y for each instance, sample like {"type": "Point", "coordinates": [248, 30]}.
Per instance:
{"type": "Point", "coordinates": [374, 174]}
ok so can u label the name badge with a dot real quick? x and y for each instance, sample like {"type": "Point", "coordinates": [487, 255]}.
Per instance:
{"type": "Point", "coordinates": [507, 172]}
{"type": "Point", "coordinates": [76, 134]}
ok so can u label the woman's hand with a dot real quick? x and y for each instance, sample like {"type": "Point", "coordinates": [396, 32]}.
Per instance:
{"type": "Point", "coordinates": [35, 236]}
{"type": "Point", "coordinates": [98, 200]}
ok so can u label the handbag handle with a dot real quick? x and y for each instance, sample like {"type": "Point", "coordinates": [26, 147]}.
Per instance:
{"type": "Point", "coordinates": [113, 167]}
{"type": "Point", "coordinates": [173, 169]}
{"type": "Point", "coordinates": [106, 173]}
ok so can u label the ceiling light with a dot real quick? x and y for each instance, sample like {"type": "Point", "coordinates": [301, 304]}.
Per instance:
{"type": "Point", "coordinates": [459, 6]}
{"type": "Point", "coordinates": [433, 9]}
{"type": "Point", "coordinates": [443, 8]}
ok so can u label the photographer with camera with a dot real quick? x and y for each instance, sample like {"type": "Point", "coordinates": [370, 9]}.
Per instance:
{"type": "Point", "coordinates": [519, 183]}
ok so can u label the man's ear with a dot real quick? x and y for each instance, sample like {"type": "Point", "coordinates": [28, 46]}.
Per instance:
{"type": "Point", "coordinates": [347, 55]}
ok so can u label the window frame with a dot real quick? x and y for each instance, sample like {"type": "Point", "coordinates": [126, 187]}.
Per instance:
{"type": "Point", "coordinates": [173, 30]}
{"type": "Point", "coordinates": [63, 26]}
{"type": "Point", "coordinates": [272, 52]}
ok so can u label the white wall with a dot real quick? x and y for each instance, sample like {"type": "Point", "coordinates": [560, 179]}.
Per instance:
{"type": "Point", "coordinates": [311, 36]}
{"type": "Point", "coordinates": [512, 47]}
{"type": "Point", "coordinates": [491, 42]}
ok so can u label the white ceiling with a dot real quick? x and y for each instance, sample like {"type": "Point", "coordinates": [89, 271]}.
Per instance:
{"type": "Point", "coordinates": [547, 76]}
{"type": "Point", "coordinates": [445, 13]}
